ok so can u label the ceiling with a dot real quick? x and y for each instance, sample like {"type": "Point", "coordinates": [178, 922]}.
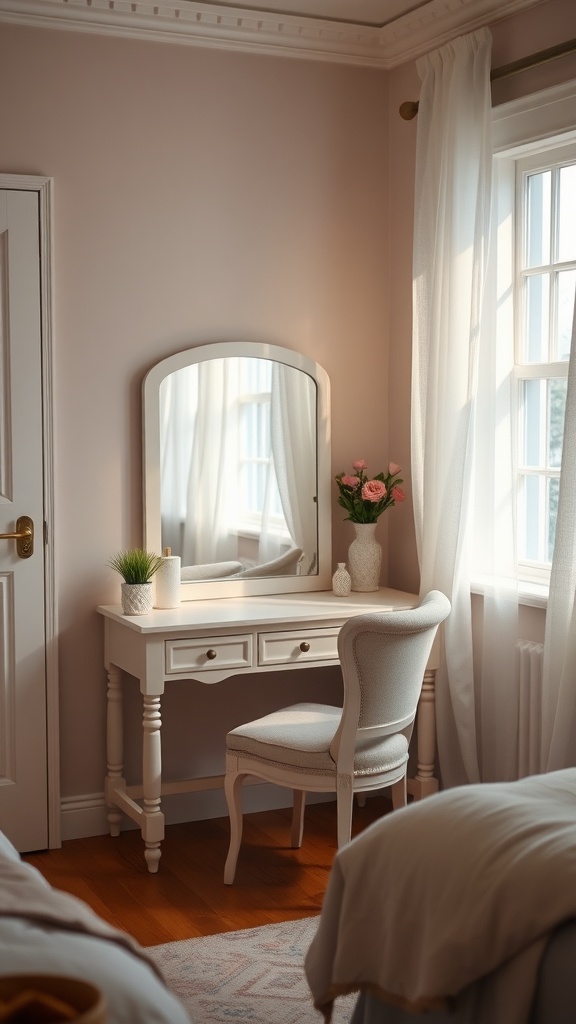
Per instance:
{"type": "Point", "coordinates": [376, 33]}
{"type": "Point", "coordinates": [359, 12]}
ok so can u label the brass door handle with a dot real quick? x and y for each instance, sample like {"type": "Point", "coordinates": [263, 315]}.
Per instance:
{"type": "Point", "coordinates": [24, 537]}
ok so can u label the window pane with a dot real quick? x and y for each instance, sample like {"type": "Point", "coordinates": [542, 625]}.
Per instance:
{"type": "Point", "coordinates": [566, 293]}
{"type": "Point", "coordinates": [537, 318]}
{"type": "Point", "coordinates": [567, 213]}
{"type": "Point", "coordinates": [534, 406]}
{"type": "Point", "coordinates": [544, 306]}
{"type": "Point", "coordinates": [533, 507]}
{"type": "Point", "coordinates": [553, 491]}
{"type": "Point", "coordinates": [538, 219]}
{"type": "Point", "coordinates": [557, 390]}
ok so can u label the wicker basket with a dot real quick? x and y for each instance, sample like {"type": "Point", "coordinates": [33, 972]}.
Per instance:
{"type": "Point", "coordinates": [50, 999]}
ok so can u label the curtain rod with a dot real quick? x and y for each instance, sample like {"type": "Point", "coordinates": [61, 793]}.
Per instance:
{"type": "Point", "coordinates": [409, 109]}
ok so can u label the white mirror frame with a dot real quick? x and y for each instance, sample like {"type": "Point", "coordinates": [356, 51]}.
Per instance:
{"type": "Point", "coordinates": [209, 589]}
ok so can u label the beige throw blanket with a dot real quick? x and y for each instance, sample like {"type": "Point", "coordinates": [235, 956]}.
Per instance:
{"type": "Point", "coordinates": [467, 884]}
{"type": "Point", "coordinates": [24, 893]}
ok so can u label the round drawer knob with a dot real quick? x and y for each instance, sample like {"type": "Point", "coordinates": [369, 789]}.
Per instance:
{"type": "Point", "coordinates": [211, 654]}
{"type": "Point", "coordinates": [304, 646]}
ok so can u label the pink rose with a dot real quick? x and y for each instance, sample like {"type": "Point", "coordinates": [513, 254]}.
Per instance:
{"type": "Point", "coordinates": [398, 494]}
{"type": "Point", "coordinates": [359, 465]}
{"type": "Point", "coordinates": [373, 490]}
{"type": "Point", "coordinates": [393, 469]}
{"type": "Point", "coordinates": [349, 481]}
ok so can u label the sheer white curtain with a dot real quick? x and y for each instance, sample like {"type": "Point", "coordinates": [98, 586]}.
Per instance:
{"type": "Point", "coordinates": [494, 534]}
{"type": "Point", "coordinates": [178, 405]}
{"type": "Point", "coordinates": [210, 534]}
{"type": "Point", "coordinates": [451, 234]}
{"type": "Point", "coordinates": [293, 432]}
{"type": "Point", "coordinates": [559, 674]}
{"type": "Point", "coordinates": [199, 461]}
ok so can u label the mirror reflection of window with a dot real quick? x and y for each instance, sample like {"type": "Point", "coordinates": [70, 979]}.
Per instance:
{"type": "Point", "coordinates": [260, 513]}
{"type": "Point", "coordinates": [238, 472]}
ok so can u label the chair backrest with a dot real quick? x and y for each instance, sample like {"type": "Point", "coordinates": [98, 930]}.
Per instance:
{"type": "Point", "coordinates": [383, 657]}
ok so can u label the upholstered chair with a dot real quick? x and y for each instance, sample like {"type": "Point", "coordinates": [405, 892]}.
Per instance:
{"type": "Point", "coordinates": [360, 747]}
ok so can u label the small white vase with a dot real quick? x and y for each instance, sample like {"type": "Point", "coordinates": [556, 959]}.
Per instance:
{"type": "Point", "coordinates": [341, 581]}
{"type": "Point", "coordinates": [136, 598]}
{"type": "Point", "coordinates": [365, 558]}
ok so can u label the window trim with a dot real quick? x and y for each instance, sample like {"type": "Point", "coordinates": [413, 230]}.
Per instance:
{"type": "Point", "coordinates": [521, 126]}
{"type": "Point", "coordinates": [542, 156]}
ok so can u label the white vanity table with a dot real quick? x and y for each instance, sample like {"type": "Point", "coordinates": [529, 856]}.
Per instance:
{"type": "Point", "coordinates": [269, 409]}
{"type": "Point", "coordinates": [211, 640]}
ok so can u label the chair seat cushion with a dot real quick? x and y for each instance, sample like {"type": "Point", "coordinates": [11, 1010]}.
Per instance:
{"type": "Point", "coordinates": [300, 737]}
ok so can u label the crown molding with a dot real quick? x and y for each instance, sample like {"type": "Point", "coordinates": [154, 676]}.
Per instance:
{"type": "Point", "coordinates": [234, 28]}
{"type": "Point", "coordinates": [425, 29]}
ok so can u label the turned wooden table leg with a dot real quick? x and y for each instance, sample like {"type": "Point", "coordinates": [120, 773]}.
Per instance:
{"type": "Point", "coordinates": [425, 783]}
{"type": "Point", "coordinates": [153, 819]}
{"type": "Point", "coordinates": [114, 746]}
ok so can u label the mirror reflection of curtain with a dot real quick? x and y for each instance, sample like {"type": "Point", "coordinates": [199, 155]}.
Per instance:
{"type": "Point", "coordinates": [210, 532]}
{"type": "Point", "coordinates": [199, 439]}
{"type": "Point", "coordinates": [293, 433]}
{"type": "Point", "coordinates": [178, 405]}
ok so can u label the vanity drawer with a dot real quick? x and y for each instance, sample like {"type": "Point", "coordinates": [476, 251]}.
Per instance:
{"type": "Point", "coordinates": [218, 652]}
{"type": "Point", "coordinates": [300, 646]}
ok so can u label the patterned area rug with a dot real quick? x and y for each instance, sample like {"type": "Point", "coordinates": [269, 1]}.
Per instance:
{"type": "Point", "coordinates": [254, 976]}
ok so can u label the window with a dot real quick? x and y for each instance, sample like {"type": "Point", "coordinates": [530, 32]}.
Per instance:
{"type": "Point", "coordinates": [258, 487]}
{"type": "Point", "coordinates": [544, 291]}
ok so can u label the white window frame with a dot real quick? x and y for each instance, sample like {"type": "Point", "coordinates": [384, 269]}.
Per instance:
{"type": "Point", "coordinates": [542, 120]}
{"type": "Point", "coordinates": [544, 157]}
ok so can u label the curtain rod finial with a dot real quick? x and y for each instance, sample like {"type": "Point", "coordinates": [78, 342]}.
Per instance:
{"type": "Point", "coordinates": [408, 110]}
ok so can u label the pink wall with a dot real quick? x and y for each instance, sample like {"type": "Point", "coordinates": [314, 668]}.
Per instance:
{"type": "Point", "coordinates": [200, 195]}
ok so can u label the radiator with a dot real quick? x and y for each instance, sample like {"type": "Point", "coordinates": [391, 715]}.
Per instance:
{"type": "Point", "coordinates": [530, 656]}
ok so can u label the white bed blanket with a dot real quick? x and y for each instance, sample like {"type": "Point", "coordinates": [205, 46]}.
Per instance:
{"type": "Point", "coordinates": [45, 931]}
{"type": "Point", "coordinates": [467, 884]}
{"type": "Point", "coordinates": [25, 893]}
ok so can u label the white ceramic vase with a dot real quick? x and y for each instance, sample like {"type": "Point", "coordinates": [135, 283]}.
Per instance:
{"type": "Point", "coordinates": [365, 558]}
{"type": "Point", "coordinates": [341, 581]}
{"type": "Point", "coordinates": [136, 598]}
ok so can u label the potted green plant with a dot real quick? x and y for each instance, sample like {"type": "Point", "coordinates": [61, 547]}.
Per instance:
{"type": "Point", "coordinates": [136, 567]}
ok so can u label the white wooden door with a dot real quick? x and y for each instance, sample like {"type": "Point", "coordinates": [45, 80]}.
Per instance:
{"type": "Point", "coordinates": [23, 744]}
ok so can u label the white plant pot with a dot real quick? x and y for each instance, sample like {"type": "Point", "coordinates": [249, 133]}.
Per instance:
{"type": "Point", "coordinates": [136, 598]}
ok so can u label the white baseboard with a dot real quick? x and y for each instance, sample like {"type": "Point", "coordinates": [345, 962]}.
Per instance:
{"type": "Point", "coordinates": [85, 816]}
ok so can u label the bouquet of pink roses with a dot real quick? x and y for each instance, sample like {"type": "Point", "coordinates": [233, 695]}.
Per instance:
{"type": "Point", "coordinates": [364, 497]}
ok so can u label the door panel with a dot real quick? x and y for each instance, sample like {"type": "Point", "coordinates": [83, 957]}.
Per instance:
{"type": "Point", "coordinates": [23, 764]}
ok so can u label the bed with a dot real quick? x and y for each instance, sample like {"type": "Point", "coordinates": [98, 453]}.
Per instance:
{"type": "Point", "coordinates": [460, 909]}
{"type": "Point", "coordinates": [44, 931]}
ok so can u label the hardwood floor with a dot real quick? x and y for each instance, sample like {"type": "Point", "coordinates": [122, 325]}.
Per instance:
{"type": "Point", "coordinates": [187, 897]}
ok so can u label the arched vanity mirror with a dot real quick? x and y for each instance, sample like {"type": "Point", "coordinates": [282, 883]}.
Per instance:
{"type": "Point", "coordinates": [237, 469]}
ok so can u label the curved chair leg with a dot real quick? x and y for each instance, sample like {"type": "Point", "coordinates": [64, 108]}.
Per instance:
{"type": "Point", "coordinates": [298, 819]}
{"type": "Point", "coordinates": [344, 805]}
{"type": "Point", "coordinates": [233, 791]}
{"type": "Point", "coordinates": [399, 793]}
